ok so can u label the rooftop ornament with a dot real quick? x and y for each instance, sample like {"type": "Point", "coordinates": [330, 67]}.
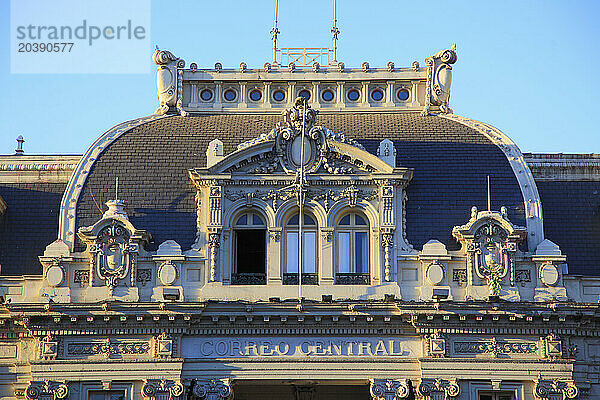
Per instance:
{"type": "Point", "coordinates": [19, 150]}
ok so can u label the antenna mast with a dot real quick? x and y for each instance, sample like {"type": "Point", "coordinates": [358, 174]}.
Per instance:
{"type": "Point", "coordinates": [335, 31]}
{"type": "Point", "coordinates": [274, 33]}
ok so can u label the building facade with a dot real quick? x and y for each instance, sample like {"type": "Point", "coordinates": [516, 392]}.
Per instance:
{"type": "Point", "coordinates": [184, 268]}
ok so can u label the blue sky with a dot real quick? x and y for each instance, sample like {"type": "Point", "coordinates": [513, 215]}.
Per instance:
{"type": "Point", "coordinates": [525, 67]}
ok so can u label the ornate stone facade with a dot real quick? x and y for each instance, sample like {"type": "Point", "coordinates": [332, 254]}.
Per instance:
{"type": "Point", "coordinates": [234, 313]}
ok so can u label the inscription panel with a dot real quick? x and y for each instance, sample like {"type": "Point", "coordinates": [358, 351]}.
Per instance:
{"type": "Point", "coordinates": [300, 347]}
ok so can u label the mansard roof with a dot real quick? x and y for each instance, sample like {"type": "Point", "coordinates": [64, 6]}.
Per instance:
{"type": "Point", "coordinates": [450, 162]}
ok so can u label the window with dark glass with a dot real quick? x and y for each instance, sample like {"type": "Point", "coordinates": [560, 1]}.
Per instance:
{"type": "Point", "coordinates": [106, 395]}
{"type": "Point", "coordinates": [352, 242]}
{"type": "Point", "coordinates": [250, 242]}
{"type": "Point", "coordinates": [496, 396]}
{"type": "Point", "coordinates": [292, 251]}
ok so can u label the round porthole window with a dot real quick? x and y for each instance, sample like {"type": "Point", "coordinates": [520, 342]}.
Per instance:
{"type": "Point", "coordinates": [377, 94]}
{"type": "Point", "coordinates": [403, 94]}
{"type": "Point", "coordinates": [206, 94]}
{"type": "Point", "coordinates": [305, 94]}
{"type": "Point", "coordinates": [278, 95]}
{"type": "Point", "coordinates": [353, 95]}
{"type": "Point", "coordinates": [327, 95]}
{"type": "Point", "coordinates": [255, 95]}
{"type": "Point", "coordinates": [230, 95]}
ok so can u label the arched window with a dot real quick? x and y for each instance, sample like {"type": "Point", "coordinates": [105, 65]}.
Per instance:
{"type": "Point", "coordinates": [250, 247]}
{"type": "Point", "coordinates": [292, 252]}
{"type": "Point", "coordinates": [352, 248]}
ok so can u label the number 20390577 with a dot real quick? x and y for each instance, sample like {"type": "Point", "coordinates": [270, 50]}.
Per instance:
{"type": "Point", "coordinates": [26, 47]}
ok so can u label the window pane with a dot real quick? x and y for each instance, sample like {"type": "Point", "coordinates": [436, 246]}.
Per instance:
{"type": "Point", "coordinates": [257, 220]}
{"type": "Point", "coordinates": [251, 251]}
{"type": "Point", "coordinates": [291, 255]}
{"type": "Point", "coordinates": [359, 220]}
{"type": "Point", "coordinates": [96, 395]}
{"type": "Point", "coordinates": [361, 252]}
{"type": "Point", "coordinates": [310, 253]}
{"type": "Point", "coordinates": [293, 220]}
{"type": "Point", "coordinates": [243, 220]}
{"type": "Point", "coordinates": [344, 252]}
{"type": "Point", "coordinates": [345, 220]}
{"type": "Point", "coordinates": [308, 220]}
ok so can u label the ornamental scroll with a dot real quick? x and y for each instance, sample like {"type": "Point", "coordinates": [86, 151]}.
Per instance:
{"type": "Point", "coordinates": [490, 241]}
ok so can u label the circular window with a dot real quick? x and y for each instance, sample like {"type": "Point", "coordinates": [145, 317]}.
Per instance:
{"type": "Point", "coordinates": [278, 95]}
{"type": "Point", "coordinates": [353, 95]}
{"type": "Point", "coordinates": [206, 94]}
{"type": "Point", "coordinates": [305, 94]}
{"type": "Point", "coordinates": [327, 95]}
{"type": "Point", "coordinates": [230, 95]}
{"type": "Point", "coordinates": [255, 95]}
{"type": "Point", "coordinates": [377, 94]}
{"type": "Point", "coordinates": [403, 94]}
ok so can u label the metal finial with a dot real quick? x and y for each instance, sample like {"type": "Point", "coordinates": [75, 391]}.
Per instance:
{"type": "Point", "coordinates": [116, 188]}
{"type": "Point", "coordinates": [489, 196]}
{"type": "Point", "coordinates": [19, 149]}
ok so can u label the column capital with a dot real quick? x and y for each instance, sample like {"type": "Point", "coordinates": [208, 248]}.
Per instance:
{"type": "Point", "coordinates": [551, 388]}
{"type": "Point", "coordinates": [389, 389]}
{"type": "Point", "coordinates": [213, 389]}
{"type": "Point", "coordinates": [46, 389]}
{"type": "Point", "coordinates": [439, 388]}
{"type": "Point", "coordinates": [152, 387]}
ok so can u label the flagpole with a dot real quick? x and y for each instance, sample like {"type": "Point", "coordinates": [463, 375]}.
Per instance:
{"type": "Point", "coordinates": [301, 202]}
{"type": "Point", "coordinates": [489, 197]}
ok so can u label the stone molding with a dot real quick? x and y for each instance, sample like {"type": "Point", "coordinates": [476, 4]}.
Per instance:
{"type": "Point", "coordinates": [213, 389]}
{"type": "Point", "coordinates": [389, 389]}
{"type": "Point", "coordinates": [152, 387]}
{"type": "Point", "coordinates": [531, 197]}
{"type": "Point", "coordinates": [68, 205]}
{"type": "Point", "coordinates": [564, 167]}
{"type": "Point", "coordinates": [45, 389]}
{"type": "Point", "coordinates": [549, 389]}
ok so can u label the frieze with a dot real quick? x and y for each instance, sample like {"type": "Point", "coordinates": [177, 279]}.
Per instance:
{"type": "Point", "coordinates": [495, 347]}
{"type": "Point", "coordinates": [108, 348]}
